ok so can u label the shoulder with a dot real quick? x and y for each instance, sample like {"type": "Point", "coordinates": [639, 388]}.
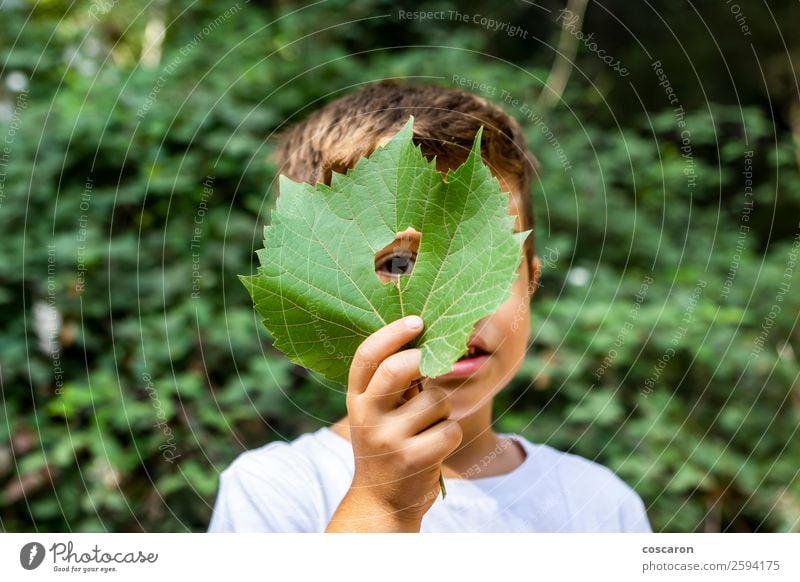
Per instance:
{"type": "Point", "coordinates": [597, 498]}
{"type": "Point", "coordinates": [276, 460]}
{"type": "Point", "coordinates": [277, 487]}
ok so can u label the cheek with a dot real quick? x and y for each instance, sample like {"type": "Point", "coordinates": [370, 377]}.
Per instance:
{"type": "Point", "coordinates": [512, 320]}
{"type": "Point", "coordinates": [516, 323]}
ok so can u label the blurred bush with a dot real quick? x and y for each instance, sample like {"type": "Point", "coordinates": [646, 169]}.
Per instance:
{"type": "Point", "coordinates": [135, 186]}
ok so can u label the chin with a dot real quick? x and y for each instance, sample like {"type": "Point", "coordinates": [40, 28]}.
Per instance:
{"type": "Point", "coordinates": [463, 404]}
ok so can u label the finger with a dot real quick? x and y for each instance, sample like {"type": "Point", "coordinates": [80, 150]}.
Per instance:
{"type": "Point", "coordinates": [421, 412]}
{"type": "Point", "coordinates": [433, 445]}
{"type": "Point", "coordinates": [392, 379]}
{"type": "Point", "coordinates": [379, 346]}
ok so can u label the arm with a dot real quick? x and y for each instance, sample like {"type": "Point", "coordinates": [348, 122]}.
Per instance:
{"type": "Point", "coordinates": [360, 513]}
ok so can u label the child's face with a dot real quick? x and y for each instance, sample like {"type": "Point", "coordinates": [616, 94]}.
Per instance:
{"type": "Point", "coordinates": [503, 334]}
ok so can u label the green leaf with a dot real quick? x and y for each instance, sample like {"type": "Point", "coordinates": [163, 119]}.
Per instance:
{"type": "Point", "coordinates": [317, 289]}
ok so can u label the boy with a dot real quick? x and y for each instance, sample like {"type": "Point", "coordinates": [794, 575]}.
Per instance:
{"type": "Point", "coordinates": [377, 469]}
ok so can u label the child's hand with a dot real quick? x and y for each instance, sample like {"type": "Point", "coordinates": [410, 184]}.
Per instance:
{"type": "Point", "coordinates": [400, 435]}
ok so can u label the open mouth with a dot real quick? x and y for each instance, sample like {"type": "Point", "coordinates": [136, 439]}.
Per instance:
{"type": "Point", "coordinates": [473, 352]}
{"type": "Point", "coordinates": [469, 364]}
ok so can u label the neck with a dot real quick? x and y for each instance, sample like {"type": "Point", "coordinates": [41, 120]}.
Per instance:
{"type": "Point", "coordinates": [477, 442]}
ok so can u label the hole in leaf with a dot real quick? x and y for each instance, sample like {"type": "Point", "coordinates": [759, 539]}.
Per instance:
{"type": "Point", "coordinates": [398, 257]}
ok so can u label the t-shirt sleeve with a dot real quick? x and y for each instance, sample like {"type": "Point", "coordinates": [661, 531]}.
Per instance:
{"type": "Point", "coordinates": [632, 514]}
{"type": "Point", "coordinates": [627, 512]}
{"type": "Point", "coordinates": [600, 500]}
{"type": "Point", "coordinates": [264, 491]}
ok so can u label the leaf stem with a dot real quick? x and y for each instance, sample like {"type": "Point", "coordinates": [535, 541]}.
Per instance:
{"type": "Point", "coordinates": [418, 384]}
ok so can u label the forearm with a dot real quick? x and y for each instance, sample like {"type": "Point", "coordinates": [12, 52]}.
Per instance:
{"type": "Point", "coordinates": [361, 513]}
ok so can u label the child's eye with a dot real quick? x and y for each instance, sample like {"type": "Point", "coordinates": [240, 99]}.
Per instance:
{"type": "Point", "coordinates": [398, 263]}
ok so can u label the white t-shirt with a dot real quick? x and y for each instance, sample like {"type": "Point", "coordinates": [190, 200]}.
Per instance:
{"type": "Point", "coordinates": [296, 487]}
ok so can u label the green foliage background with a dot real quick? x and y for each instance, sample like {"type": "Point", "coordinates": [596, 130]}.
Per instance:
{"type": "Point", "coordinates": [134, 191]}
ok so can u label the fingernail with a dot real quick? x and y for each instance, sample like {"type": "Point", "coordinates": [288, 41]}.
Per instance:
{"type": "Point", "coordinates": [414, 322]}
